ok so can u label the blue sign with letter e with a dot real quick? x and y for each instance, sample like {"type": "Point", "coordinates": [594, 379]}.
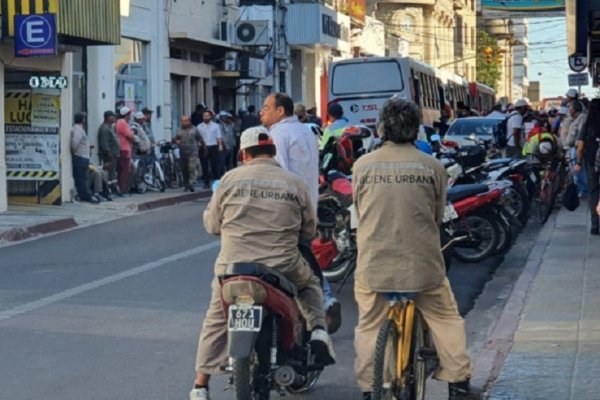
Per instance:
{"type": "Point", "coordinates": [35, 35]}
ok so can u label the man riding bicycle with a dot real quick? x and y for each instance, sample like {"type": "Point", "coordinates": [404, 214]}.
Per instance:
{"type": "Point", "coordinates": [400, 195]}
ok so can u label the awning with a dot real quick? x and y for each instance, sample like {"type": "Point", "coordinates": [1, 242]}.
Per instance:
{"type": "Point", "coordinates": [203, 39]}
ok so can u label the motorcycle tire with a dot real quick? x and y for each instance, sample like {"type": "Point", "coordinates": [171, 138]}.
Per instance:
{"type": "Point", "coordinates": [481, 228]}
{"type": "Point", "coordinates": [243, 372]}
{"type": "Point", "coordinates": [517, 200]}
{"type": "Point", "coordinates": [505, 237]}
{"type": "Point", "coordinates": [159, 183]}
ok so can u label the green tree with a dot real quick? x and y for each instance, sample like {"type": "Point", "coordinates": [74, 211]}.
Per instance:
{"type": "Point", "coordinates": [489, 58]}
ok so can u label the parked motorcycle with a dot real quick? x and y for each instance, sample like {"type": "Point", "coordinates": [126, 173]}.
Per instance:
{"type": "Point", "coordinates": [268, 343]}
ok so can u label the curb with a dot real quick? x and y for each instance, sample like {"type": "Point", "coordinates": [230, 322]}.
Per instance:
{"type": "Point", "coordinates": [18, 234]}
{"type": "Point", "coordinates": [489, 361]}
{"type": "Point", "coordinates": [169, 201]}
{"type": "Point", "coordinates": [27, 232]}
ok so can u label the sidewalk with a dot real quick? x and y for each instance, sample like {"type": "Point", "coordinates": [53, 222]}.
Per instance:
{"type": "Point", "coordinates": [546, 344]}
{"type": "Point", "coordinates": [23, 222]}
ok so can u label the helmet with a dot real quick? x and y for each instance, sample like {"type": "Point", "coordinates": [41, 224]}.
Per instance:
{"type": "Point", "coordinates": [546, 148]}
{"type": "Point", "coordinates": [335, 110]}
{"type": "Point", "coordinates": [572, 93]}
{"type": "Point", "coordinates": [521, 103]}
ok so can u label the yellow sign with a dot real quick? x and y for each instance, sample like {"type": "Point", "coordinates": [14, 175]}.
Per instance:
{"type": "Point", "coordinates": [17, 108]}
{"type": "Point", "coordinates": [45, 109]}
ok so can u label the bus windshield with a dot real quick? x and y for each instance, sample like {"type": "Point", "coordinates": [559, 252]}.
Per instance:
{"type": "Point", "coordinates": [366, 77]}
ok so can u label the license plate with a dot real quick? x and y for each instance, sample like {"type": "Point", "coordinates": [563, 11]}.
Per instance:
{"type": "Point", "coordinates": [450, 213]}
{"type": "Point", "coordinates": [244, 318]}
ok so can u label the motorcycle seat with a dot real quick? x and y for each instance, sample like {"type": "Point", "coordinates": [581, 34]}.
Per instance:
{"type": "Point", "coordinates": [267, 274]}
{"type": "Point", "coordinates": [460, 192]}
{"type": "Point", "coordinates": [498, 163]}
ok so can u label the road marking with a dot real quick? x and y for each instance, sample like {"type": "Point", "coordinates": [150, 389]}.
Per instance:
{"type": "Point", "coordinates": [34, 305]}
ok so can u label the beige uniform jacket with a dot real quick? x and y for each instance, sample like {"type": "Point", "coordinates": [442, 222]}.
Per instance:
{"type": "Point", "coordinates": [400, 195]}
{"type": "Point", "coordinates": [261, 212]}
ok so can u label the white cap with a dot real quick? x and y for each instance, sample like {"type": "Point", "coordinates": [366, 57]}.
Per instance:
{"type": "Point", "coordinates": [255, 136]}
{"type": "Point", "coordinates": [521, 103]}
{"type": "Point", "coordinates": [572, 93]}
{"type": "Point", "coordinates": [224, 114]}
{"type": "Point", "coordinates": [123, 111]}
{"type": "Point", "coordinates": [139, 115]}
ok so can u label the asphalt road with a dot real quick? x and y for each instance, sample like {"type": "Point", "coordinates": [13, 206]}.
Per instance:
{"type": "Point", "coordinates": [113, 311]}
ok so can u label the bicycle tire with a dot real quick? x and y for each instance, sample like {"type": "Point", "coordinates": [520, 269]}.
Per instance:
{"type": "Point", "coordinates": [387, 343]}
{"type": "Point", "coordinates": [545, 203]}
{"type": "Point", "coordinates": [418, 364]}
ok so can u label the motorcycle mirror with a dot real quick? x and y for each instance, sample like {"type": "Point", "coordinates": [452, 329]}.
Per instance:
{"type": "Point", "coordinates": [215, 185]}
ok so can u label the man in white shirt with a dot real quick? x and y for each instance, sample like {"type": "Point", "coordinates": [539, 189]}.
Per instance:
{"type": "Point", "coordinates": [514, 130]}
{"type": "Point", "coordinates": [211, 133]}
{"type": "Point", "coordinates": [496, 112]}
{"type": "Point", "coordinates": [298, 153]}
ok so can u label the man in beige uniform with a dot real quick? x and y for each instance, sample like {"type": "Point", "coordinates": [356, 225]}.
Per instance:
{"type": "Point", "coordinates": [260, 211]}
{"type": "Point", "coordinates": [400, 194]}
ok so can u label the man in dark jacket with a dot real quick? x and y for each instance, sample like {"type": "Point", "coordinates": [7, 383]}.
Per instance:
{"type": "Point", "coordinates": [250, 119]}
{"type": "Point", "coordinates": [109, 150]}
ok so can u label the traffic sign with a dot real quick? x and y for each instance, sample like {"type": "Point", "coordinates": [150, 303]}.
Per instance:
{"type": "Point", "coordinates": [577, 63]}
{"type": "Point", "coordinates": [578, 80]}
{"type": "Point", "coordinates": [35, 35]}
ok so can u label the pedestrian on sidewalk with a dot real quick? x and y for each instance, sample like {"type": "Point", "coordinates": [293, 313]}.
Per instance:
{"type": "Point", "coordinates": [406, 259]}
{"type": "Point", "coordinates": [587, 148]}
{"type": "Point", "coordinates": [190, 143]}
{"type": "Point", "coordinates": [211, 133]}
{"type": "Point", "coordinates": [125, 136]}
{"type": "Point", "coordinates": [80, 156]}
{"type": "Point", "coordinates": [298, 152]}
{"type": "Point", "coordinates": [109, 150]}
{"type": "Point", "coordinates": [578, 118]}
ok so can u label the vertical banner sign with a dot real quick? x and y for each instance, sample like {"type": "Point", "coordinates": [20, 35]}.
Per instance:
{"type": "Point", "coordinates": [523, 5]}
{"type": "Point", "coordinates": [32, 135]}
{"type": "Point", "coordinates": [129, 97]}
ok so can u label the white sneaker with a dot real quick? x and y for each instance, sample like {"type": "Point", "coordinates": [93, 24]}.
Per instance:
{"type": "Point", "coordinates": [199, 394]}
{"type": "Point", "coordinates": [322, 347]}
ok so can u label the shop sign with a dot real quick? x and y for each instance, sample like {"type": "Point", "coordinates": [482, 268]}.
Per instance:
{"type": "Point", "coordinates": [32, 150]}
{"type": "Point", "coordinates": [35, 35]}
{"type": "Point", "coordinates": [48, 82]}
{"type": "Point", "coordinates": [334, 29]}
{"type": "Point", "coordinates": [523, 5]}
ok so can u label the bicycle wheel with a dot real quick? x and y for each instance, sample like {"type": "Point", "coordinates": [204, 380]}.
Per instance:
{"type": "Point", "coordinates": [544, 203]}
{"type": "Point", "coordinates": [418, 364]}
{"type": "Point", "coordinates": [385, 365]}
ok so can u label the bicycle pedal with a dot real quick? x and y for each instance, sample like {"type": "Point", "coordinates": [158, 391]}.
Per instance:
{"type": "Point", "coordinates": [428, 353]}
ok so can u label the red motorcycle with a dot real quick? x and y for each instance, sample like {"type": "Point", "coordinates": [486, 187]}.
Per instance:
{"type": "Point", "coordinates": [268, 342]}
{"type": "Point", "coordinates": [475, 212]}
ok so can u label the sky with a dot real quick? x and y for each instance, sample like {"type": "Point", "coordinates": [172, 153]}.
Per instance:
{"type": "Point", "coordinates": [548, 58]}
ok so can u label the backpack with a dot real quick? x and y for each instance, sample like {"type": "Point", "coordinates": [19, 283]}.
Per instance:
{"type": "Point", "coordinates": [501, 133]}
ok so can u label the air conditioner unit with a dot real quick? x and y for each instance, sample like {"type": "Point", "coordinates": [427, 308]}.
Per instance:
{"type": "Point", "coordinates": [231, 61]}
{"type": "Point", "coordinates": [227, 31]}
{"type": "Point", "coordinates": [251, 67]}
{"type": "Point", "coordinates": [252, 33]}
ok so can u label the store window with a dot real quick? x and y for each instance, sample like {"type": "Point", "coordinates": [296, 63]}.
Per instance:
{"type": "Point", "coordinates": [131, 74]}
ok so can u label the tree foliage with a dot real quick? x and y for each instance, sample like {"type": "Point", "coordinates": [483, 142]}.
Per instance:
{"type": "Point", "coordinates": [488, 60]}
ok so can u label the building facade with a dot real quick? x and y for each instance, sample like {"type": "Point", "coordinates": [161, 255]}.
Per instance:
{"type": "Point", "coordinates": [43, 84]}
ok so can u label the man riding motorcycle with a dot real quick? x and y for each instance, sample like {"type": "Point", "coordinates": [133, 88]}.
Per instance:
{"type": "Point", "coordinates": [261, 212]}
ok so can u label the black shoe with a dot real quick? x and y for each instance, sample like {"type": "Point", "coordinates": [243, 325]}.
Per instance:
{"type": "Point", "coordinates": [595, 231]}
{"type": "Point", "coordinates": [93, 200]}
{"type": "Point", "coordinates": [119, 194]}
{"type": "Point", "coordinates": [366, 395]}
{"type": "Point", "coordinates": [192, 188]}
{"type": "Point", "coordinates": [333, 317]}
{"type": "Point", "coordinates": [459, 390]}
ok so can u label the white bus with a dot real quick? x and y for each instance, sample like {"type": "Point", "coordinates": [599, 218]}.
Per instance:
{"type": "Point", "coordinates": [362, 85]}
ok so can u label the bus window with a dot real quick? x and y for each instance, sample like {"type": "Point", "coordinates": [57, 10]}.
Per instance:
{"type": "Point", "coordinates": [366, 77]}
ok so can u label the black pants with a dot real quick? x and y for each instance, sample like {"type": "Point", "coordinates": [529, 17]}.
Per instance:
{"type": "Point", "coordinates": [308, 255]}
{"type": "Point", "coordinates": [213, 157]}
{"type": "Point", "coordinates": [80, 175]}
{"type": "Point", "coordinates": [593, 186]}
